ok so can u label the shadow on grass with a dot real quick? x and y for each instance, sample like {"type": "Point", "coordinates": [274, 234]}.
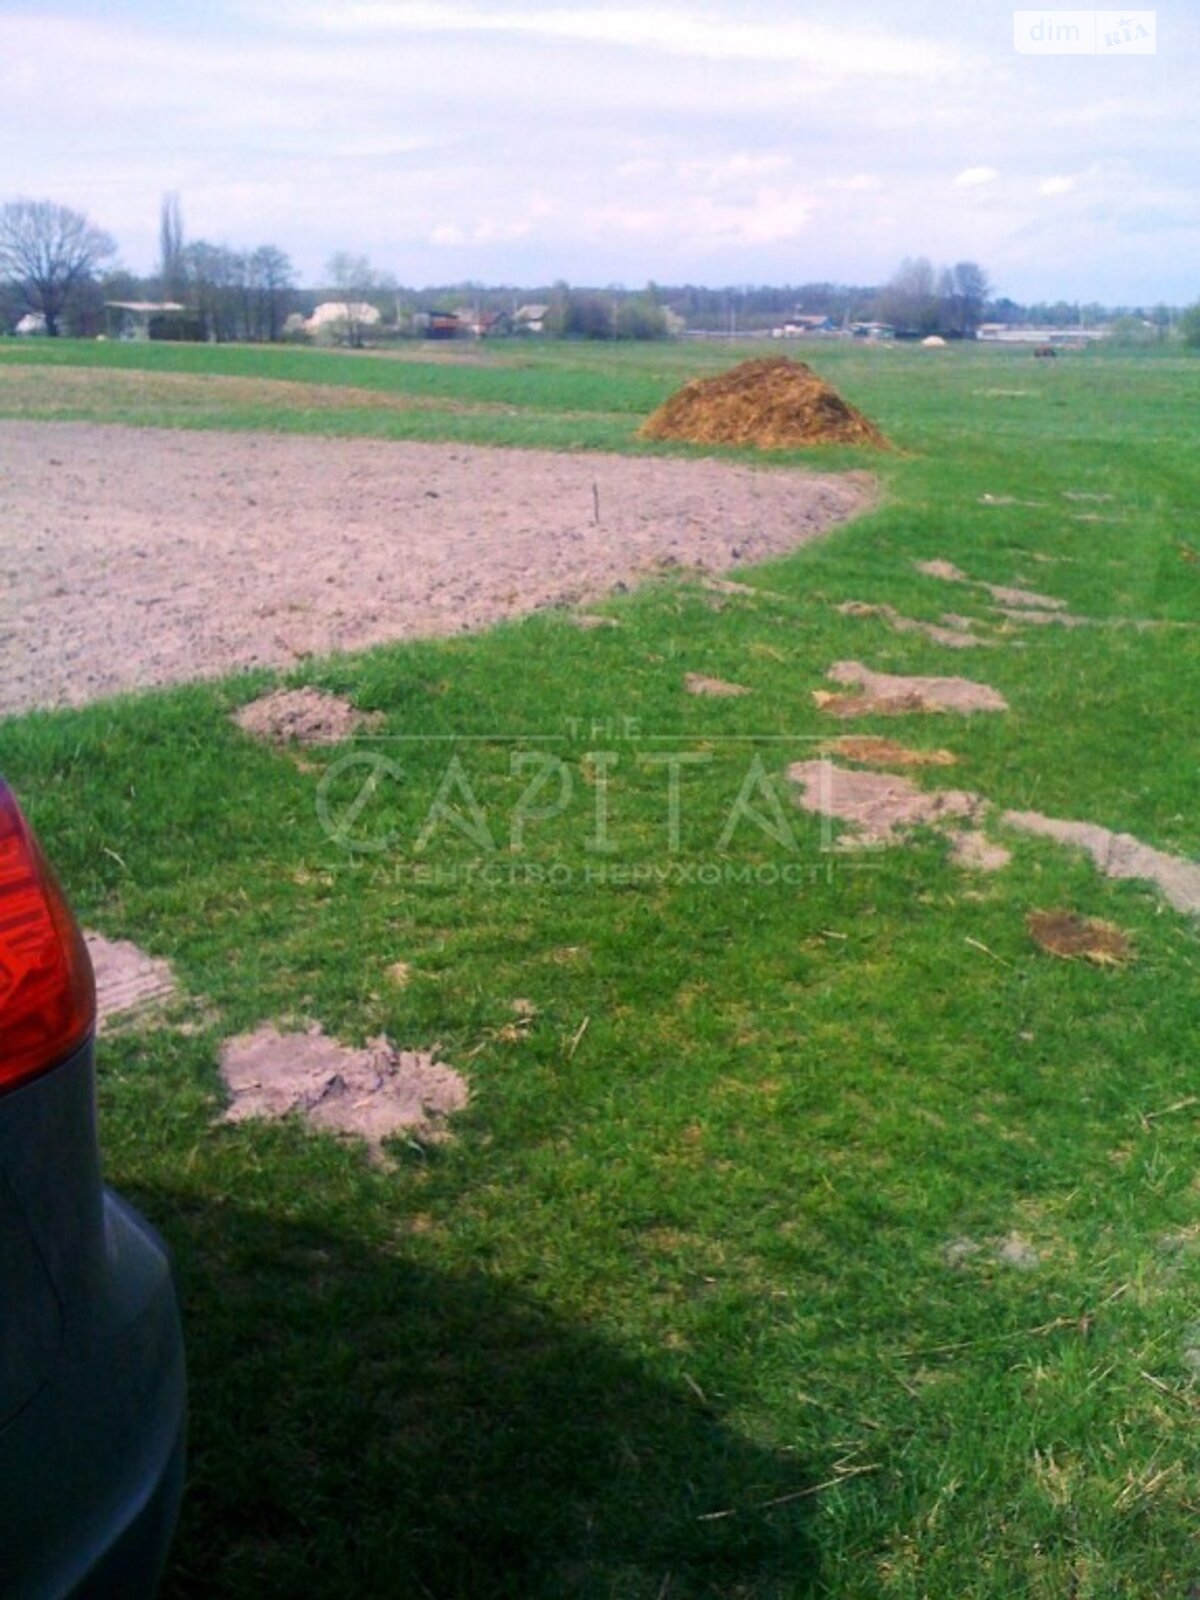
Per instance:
{"type": "Point", "coordinates": [363, 1426]}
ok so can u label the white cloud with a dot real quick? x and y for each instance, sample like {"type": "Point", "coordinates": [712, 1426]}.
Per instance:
{"type": "Point", "coordinates": [1052, 186]}
{"type": "Point", "coordinates": [856, 183]}
{"type": "Point", "coordinates": [975, 177]}
{"type": "Point", "coordinates": [837, 51]}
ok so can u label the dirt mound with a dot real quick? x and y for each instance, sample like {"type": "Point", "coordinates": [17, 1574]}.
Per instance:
{"type": "Point", "coordinates": [304, 716]}
{"type": "Point", "coordinates": [772, 403]}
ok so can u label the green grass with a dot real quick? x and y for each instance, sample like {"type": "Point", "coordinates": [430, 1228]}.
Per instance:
{"type": "Point", "coordinates": [685, 1309]}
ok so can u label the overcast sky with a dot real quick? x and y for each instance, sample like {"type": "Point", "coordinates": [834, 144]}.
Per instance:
{"type": "Point", "coordinates": [516, 141]}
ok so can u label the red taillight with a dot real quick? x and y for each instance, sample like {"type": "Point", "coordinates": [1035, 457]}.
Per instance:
{"type": "Point", "coordinates": [47, 992]}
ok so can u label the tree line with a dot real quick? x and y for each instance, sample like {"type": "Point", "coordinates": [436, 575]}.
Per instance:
{"type": "Point", "coordinates": [57, 265]}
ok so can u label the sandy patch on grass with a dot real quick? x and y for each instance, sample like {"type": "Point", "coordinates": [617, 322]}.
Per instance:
{"type": "Point", "coordinates": [891, 694]}
{"type": "Point", "coordinates": [973, 851]}
{"type": "Point", "coordinates": [878, 807]}
{"type": "Point", "coordinates": [129, 983]}
{"type": "Point", "coordinates": [1120, 855]}
{"type": "Point", "coordinates": [304, 716]}
{"type": "Point", "coordinates": [1070, 935]}
{"type": "Point", "coordinates": [731, 587]}
{"type": "Point", "coordinates": [590, 621]}
{"type": "Point", "coordinates": [372, 1093]}
{"type": "Point", "coordinates": [954, 638]}
{"type": "Point", "coordinates": [720, 688]}
{"type": "Point", "coordinates": [1044, 619]}
{"type": "Point", "coordinates": [136, 557]}
{"type": "Point", "coordinates": [1002, 593]}
{"type": "Point", "coordinates": [1012, 1251]}
{"type": "Point", "coordinates": [881, 807]}
{"type": "Point", "coordinates": [946, 570]}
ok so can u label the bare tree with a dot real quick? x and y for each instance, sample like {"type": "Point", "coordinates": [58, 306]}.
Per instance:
{"type": "Point", "coordinates": [971, 289]}
{"type": "Point", "coordinates": [47, 254]}
{"type": "Point", "coordinates": [909, 301]}
{"type": "Point", "coordinates": [354, 278]}
{"type": "Point", "coordinates": [215, 276]}
{"type": "Point", "coordinates": [272, 278]}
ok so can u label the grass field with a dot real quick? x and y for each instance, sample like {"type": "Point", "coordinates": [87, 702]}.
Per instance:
{"type": "Point", "coordinates": [818, 1234]}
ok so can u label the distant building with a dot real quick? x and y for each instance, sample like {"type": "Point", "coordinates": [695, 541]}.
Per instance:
{"type": "Point", "coordinates": [484, 324]}
{"type": "Point", "coordinates": [145, 319]}
{"type": "Point", "coordinates": [438, 324]}
{"type": "Point", "coordinates": [530, 319]}
{"type": "Point", "coordinates": [1008, 333]}
{"type": "Point", "coordinates": [872, 330]}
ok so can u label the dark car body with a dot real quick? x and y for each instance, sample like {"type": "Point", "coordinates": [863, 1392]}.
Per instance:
{"type": "Point", "coordinates": [92, 1378]}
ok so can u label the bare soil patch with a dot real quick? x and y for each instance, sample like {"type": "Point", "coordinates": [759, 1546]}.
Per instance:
{"type": "Point", "coordinates": [975, 852]}
{"type": "Point", "coordinates": [772, 403]}
{"type": "Point", "coordinates": [891, 694]}
{"type": "Point", "coordinates": [954, 638]}
{"type": "Point", "coordinates": [879, 806]}
{"type": "Point", "coordinates": [1043, 619]}
{"type": "Point", "coordinates": [372, 1093]}
{"type": "Point", "coordinates": [1070, 935]}
{"type": "Point", "coordinates": [304, 716]}
{"type": "Point", "coordinates": [720, 688]}
{"type": "Point", "coordinates": [138, 557]}
{"type": "Point", "coordinates": [1120, 855]}
{"type": "Point", "coordinates": [1003, 594]}
{"type": "Point", "coordinates": [129, 983]}
{"type": "Point", "coordinates": [876, 751]}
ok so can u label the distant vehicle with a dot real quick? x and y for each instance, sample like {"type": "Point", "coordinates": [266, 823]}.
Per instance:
{"type": "Point", "coordinates": [92, 1383]}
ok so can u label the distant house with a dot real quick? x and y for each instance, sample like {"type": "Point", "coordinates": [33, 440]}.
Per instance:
{"type": "Point", "coordinates": [484, 324]}
{"type": "Point", "coordinates": [873, 330]}
{"type": "Point", "coordinates": [800, 327]}
{"type": "Point", "coordinates": [530, 319]}
{"type": "Point", "coordinates": [145, 319]}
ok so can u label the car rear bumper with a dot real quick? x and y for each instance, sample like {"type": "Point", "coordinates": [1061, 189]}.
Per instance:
{"type": "Point", "coordinates": [93, 1465]}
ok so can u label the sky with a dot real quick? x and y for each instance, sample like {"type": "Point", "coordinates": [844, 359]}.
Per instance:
{"type": "Point", "coordinates": [528, 141]}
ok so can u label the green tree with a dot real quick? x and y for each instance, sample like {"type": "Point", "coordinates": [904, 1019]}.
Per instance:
{"type": "Point", "coordinates": [172, 271]}
{"type": "Point", "coordinates": [1189, 327]}
{"type": "Point", "coordinates": [586, 316]}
